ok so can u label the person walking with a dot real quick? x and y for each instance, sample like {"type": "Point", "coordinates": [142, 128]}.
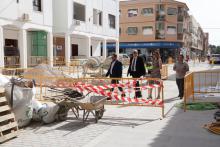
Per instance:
{"type": "Point", "coordinates": [136, 70]}
{"type": "Point", "coordinates": [155, 73]}
{"type": "Point", "coordinates": [115, 72]}
{"type": "Point", "coordinates": [181, 68]}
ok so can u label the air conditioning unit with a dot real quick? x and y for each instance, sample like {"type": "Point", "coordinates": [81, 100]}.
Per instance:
{"type": "Point", "coordinates": [25, 17]}
{"type": "Point", "coordinates": [77, 22]}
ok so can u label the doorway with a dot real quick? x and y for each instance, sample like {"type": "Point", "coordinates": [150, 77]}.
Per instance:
{"type": "Point", "coordinates": [75, 50]}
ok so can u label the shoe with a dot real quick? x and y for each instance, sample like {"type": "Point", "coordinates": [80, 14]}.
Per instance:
{"type": "Point", "coordinates": [158, 98]}
{"type": "Point", "coordinates": [149, 98]}
{"type": "Point", "coordinates": [138, 96]}
{"type": "Point", "coordinates": [123, 95]}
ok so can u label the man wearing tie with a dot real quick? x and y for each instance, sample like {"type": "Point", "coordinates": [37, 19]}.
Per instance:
{"type": "Point", "coordinates": [115, 71]}
{"type": "Point", "coordinates": [136, 70]}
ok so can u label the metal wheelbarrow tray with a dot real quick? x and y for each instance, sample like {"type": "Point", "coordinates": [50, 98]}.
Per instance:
{"type": "Point", "coordinates": [91, 104]}
{"type": "Point", "coordinates": [88, 104]}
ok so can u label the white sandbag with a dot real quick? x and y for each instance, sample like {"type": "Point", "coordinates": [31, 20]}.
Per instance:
{"type": "Point", "coordinates": [22, 103]}
{"type": "Point", "coordinates": [4, 80]}
{"type": "Point", "coordinates": [51, 109]}
{"type": "Point", "coordinates": [37, 110]}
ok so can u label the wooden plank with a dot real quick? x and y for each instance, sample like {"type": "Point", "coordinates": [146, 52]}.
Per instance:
{"type": "Point", "coordinates": [3, 99]}
{"type": "Point", "coordinates": [9, 126]}
{"type": "Point", "coordinates": [7, 117]}
{"type": "Point", "coordinates": [4, 108]}
{"type": "Point", "coordinates": [8, 136]}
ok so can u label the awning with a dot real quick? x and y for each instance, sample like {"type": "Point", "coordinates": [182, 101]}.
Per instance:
{"type": "Point", "coordinates": [170, 45]}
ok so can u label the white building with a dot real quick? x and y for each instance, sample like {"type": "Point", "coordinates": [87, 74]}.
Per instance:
{"type": "Point", "coordinates": [25, 32]}
{"type": "Point", "coordinates": [83, 27]}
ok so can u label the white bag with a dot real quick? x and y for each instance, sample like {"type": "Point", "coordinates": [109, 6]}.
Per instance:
{"type": "Point", "coordinates": [22, 106]}
{"type": "Point", "coordinates": [4, 80]}
{"type": "Point", "coordinates": [51, 109]}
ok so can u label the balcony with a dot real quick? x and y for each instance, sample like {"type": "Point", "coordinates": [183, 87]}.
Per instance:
{"type": "Point", "coordinates": [160, 16]}
{"type": "Point", "coordinates": [160, 34]}
{"type": "Point", "coordinates": [180, 17]}
{"type": "Point", "coordinates": [179, 36]}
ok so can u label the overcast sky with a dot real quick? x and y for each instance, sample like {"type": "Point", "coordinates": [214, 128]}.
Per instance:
{"type": "Point", "coordinates": [207, 13]}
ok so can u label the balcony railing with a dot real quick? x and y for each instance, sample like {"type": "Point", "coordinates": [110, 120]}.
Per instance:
{"type": "Point", "coordinates": [36, 60]}
{"type": "Point", "coordinates": [59, 60]}
{"type": "Point", "coordinates": [179, 36]}
{"type": "Point", "coordinates": [12, 61]}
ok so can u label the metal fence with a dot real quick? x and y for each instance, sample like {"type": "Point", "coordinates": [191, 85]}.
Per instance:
{"type": "Point", "coordinates": [201, 83]}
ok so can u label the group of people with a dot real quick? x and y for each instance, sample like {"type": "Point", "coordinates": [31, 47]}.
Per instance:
{"type": "Point", "coordinates": [137, 69]}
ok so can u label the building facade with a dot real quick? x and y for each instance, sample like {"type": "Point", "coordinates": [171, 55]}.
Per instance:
{"type": "Point", "coordinates": [147, 25]}
{"type": "Point", "coordinates": [199, 39]}
{"type": "Point", "coordinates": [25, 32]}
{"type": "Point", "coordinates": [83, 28]}
{"type": "Point", "coordinates": [206, 44]}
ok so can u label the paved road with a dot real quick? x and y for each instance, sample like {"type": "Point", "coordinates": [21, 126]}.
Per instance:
{"type": "Point", "coordinates": [127, 127]}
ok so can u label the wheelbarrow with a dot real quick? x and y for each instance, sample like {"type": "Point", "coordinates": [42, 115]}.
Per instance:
{"type": "Point", "coordinates": [87, 104]}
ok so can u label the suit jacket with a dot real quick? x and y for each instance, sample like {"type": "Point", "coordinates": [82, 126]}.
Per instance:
{"type": "Point", "coordinates": [140, 68]}
{"type": "Point", "coordinates": [116, 71]}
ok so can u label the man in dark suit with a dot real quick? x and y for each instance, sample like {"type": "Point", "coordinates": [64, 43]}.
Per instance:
{"type": "Point", "coordinates": [115, 71]}
{"type": "Point", "coordinates": [136, 70]}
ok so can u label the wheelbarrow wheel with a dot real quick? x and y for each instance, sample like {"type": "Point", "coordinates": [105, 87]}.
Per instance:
{"type": "Point", "coordinates": [99, 113]}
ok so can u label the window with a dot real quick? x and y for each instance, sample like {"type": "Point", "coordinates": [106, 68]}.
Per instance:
{"type": "Point", "coordinates": [147, 30]}
{"type": "Point", "coordinates": [79, 12]}
{"type": "Point", "coordinates": [171, 30]}
{"type": "Point", "coordinates": [37, 5]}
{"type": "Point", "coordinates": [97, 17]}
{"type": "Point", "coordinates": [147, 11]}
{"type": "Point", "coordinates": [132, 12]}
{"type": "Point", "coordinates": [132, 30]}
{"type": "Point", "coordinates": [111, 19]}
{"type": "Point", "coordinates": [171, 11]}
{"type": "Point", "coordinates": [179, 28]}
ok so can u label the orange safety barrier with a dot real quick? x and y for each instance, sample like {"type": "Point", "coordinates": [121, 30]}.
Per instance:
{"type": "Point", "coordinates": [164, 72]}
{"type": "Point", "coordinates": [104, 86]}
{"type": "Point", "coordinates": [202, 82]}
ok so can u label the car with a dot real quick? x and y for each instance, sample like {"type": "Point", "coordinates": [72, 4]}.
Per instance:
{"type": "Point", "coordinates": [215, 59]}
{"type": "Point", "coordinates": [123, 56]}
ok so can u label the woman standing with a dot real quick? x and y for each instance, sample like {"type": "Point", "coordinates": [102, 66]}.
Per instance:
{"type": "Point", "coordinates": [155, 72]}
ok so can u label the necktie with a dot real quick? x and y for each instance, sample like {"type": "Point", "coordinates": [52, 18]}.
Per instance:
{"type": "Point", "coordinates": [133, 64]}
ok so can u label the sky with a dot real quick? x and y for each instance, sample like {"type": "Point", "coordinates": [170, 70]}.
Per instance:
{"type": "Point", "coordinates": [207, 13]}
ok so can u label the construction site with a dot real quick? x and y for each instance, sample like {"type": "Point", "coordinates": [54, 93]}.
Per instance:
{"type": "Point", "coordinates": [49, 95]}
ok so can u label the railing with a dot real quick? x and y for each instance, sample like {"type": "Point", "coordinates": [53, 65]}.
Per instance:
{"type": "Point", "coordinates": [12, 61]}
{"type": "Point", "coordinates": [36, 60]}
{"type": "Point", "coordinates": [59, 60]}
{"type": "Point", "coordinates": [201, 83]}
